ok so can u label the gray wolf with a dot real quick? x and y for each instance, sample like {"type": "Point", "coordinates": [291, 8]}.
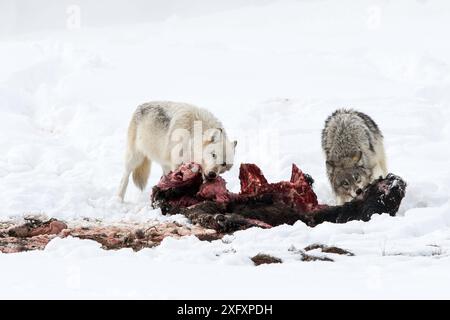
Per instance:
{"type": "Point", "coordinates": [354, 151]}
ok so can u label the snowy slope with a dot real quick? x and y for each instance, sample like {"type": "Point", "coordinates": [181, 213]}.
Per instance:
{"type": "Point", "coordinates": [272, 71]}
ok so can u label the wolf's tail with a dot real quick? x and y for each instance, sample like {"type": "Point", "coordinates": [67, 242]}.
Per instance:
{"type": "Point", "coordinates": [141, 173]}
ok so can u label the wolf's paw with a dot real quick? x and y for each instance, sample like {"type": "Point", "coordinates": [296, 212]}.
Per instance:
{"type": "Point", "coordinates": [116, 199]}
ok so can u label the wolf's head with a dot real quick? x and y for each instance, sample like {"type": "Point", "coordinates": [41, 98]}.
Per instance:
{"type": "Point", "coordinates": [218, 153]}
{"type": "Point", "coordinates": [348, 175]}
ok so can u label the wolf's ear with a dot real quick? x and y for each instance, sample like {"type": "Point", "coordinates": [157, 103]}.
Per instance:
{"type": "Point", "coordinates": [235, 143]}
{"type": "Point", "coordinates": [214, 135]}
{"type": "Point", "coordinates": [357, 156]}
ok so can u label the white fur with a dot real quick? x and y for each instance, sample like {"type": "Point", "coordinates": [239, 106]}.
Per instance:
{"type": "Point", "coordinates": [153, 137]}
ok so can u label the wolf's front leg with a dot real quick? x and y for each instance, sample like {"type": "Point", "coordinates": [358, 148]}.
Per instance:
{"type": "Point", "coordinates": [378, 172]}
{"type": "Point", "coordinates": [341, 199]}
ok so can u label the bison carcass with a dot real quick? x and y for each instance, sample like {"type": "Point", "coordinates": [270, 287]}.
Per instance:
{"type": "Point", "coordinates": [264, 204]}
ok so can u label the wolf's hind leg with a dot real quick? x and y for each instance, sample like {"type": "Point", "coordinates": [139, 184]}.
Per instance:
{"type": "Point", "coordinates": [340, 200]}
{"type": "Point", "coordinates": [141, 173]}
{"type": "Point", "coordinates": [137, 163]}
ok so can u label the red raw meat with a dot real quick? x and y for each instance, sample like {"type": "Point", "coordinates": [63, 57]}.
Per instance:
{"type": "Point", "coordinates": [215, 190]}
{"type": "Point", "coordinates": [297, 192]}
{"type": "Point", "coordinates": [183, 183]}
{"type": "Point", "coordinates": [252, 179]}
{"type": "Point", "coordinates": [188, 175]}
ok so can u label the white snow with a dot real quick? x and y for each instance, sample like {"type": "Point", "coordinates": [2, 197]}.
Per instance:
{"type": "Point", "coordinates": [272, 71]}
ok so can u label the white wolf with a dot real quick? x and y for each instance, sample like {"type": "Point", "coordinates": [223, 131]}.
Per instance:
{"type": "Point", "coordinates": [354, 150]}
{"type": "Point", "coordinates": [171, 133]}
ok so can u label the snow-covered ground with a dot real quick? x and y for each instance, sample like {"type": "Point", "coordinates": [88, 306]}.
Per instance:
{"type": "Point", "coordinates": [272, 71]}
